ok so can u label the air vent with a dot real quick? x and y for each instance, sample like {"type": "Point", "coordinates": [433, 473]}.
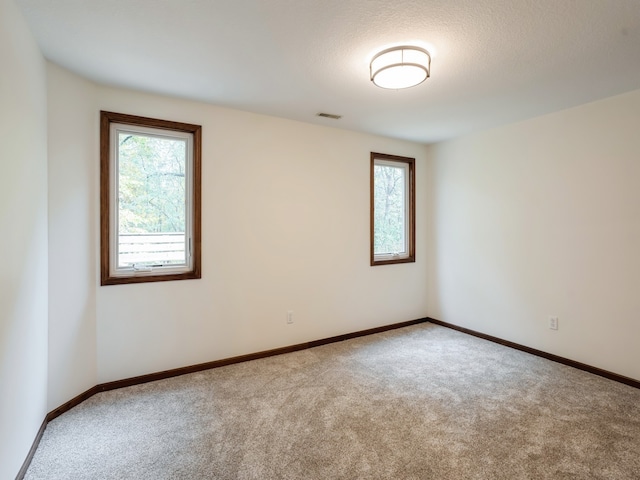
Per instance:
{"type": "Point", "coordinates": [330, 115]}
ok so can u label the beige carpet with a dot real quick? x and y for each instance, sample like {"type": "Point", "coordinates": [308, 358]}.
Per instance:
{"type": "Point", "coordinates": [423, 402]}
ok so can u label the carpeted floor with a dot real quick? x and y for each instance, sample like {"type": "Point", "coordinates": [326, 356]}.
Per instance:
{"type": "Point", "coordinates": [422, 402]}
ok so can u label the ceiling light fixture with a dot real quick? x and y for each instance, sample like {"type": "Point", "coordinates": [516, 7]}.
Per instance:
{"type": "Point", "coordinates": [400, 67]}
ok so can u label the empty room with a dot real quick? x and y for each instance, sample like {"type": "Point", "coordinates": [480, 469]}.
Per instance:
{"type": "Point", "coordinates": [356, 239]}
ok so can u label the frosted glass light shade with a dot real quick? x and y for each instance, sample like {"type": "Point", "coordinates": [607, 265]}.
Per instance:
{"type": "Point", "coordinates": [400, 67]}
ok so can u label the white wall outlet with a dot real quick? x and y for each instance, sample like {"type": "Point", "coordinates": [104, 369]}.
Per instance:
{"type": "Point", "coordinates": [553, 323]}
{"type": "Point", "coordinates": [289, 317]}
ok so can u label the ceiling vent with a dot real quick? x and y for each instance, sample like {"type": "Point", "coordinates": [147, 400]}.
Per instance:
{"type": "Point", "coordinates": [329, 115]}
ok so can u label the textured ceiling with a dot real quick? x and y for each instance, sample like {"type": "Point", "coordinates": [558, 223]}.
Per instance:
{"type": "Point", "coordinates": [494, 61]}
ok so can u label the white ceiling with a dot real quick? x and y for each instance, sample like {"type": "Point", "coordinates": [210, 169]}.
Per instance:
{"type": "Point", "coordinates": [494, 61]}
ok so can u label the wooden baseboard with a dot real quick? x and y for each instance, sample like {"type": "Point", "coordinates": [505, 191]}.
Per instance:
{"type": "Point", "coordinates": [65, 407]}
{"type": "Point", "coordinates": [539, 353]}
{"type": "Point", "coordinates": [34, 446]}
{"type": "Point", "coordinates": [152, 377]}
{"type": "Point", "coordinates": [127, 382]}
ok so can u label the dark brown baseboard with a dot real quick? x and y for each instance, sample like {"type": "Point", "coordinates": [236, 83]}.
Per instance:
{"type": "Point", "coordinates": [127, 382]}
{"type": "Point", "coordinates": [539, 353]}
{"type": "Point", "coordinates": [32, 451]}
{"type": "Point", "coordinates": [65, 407]}
{"type": "Point", "coordinates": [152, 377]}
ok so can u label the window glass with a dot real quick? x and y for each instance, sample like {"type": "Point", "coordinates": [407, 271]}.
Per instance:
{"type": "Point", "coordinates": [390, 233]}
{"type": "Point", "coordinates": [151, 200]}
{"type": "Point", "coordinates": [150, 211]}
{"type": "Point", "coordinates": [392, 217]}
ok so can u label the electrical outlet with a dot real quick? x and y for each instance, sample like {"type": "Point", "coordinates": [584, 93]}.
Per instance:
{"type": "Point", "coordinates": [289, 317]}
{"type": "Point", "coordinates": [553, 323]}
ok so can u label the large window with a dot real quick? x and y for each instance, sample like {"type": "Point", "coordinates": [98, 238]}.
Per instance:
{"type": "Point", "coordinates": [149, 199]}
{"type": "Point", "coordinates": [392, 209]}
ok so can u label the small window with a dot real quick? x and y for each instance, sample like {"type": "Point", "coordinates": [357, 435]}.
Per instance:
{"type": "Point", "coordinates": [149, 199]}
{"type": "Point", "coordinates": [392, 209]}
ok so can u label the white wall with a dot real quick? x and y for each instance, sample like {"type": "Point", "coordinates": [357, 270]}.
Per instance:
{"type": "Point", "coordinates": [73, 235]}
{"type": "Point", "coordinates": [285, 227]}
{"type": "Point", "coordinates": [542, 218]}
{"type": "Point", "coordinates": [23, 217]}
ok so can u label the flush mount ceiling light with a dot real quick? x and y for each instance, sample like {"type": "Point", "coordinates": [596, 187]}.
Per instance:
{"type": "Point", "coordinates": [400, 67]}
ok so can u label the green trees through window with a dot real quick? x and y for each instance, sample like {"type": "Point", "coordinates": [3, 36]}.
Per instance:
{"type": "Point", "coordinates": [149, 200]}
{"type": "Point", "coordinates": [392, 205]}
{"type": "Point", "coordinates": [389, 209]}
{"type": "Point", "coordinates": [151, 184]}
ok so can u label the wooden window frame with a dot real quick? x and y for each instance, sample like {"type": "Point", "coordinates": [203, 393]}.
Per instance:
{"type": "Point", "coordinates": [106, 121]}
{"type": "Point", "coordinates": [410, 215]}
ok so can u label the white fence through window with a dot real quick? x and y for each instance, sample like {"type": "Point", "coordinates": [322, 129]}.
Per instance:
{"type": "Point", "coordinates": [151, 248]}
